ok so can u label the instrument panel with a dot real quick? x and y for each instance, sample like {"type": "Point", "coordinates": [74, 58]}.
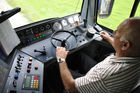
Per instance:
{"type": "Point", "coordinates": [25, 76]}
{"type": "Point", "coordinates": [41, 39]}
{"type": "Point", "coordinates": [38, 31]}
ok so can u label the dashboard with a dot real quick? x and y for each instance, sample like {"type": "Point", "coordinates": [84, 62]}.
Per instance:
{"type": "Point", "coordinates": [40, 39]}
{"type": "Point", "coordinates": [38, 31]}
{"type": "Point", "coordinates": [38, 47]}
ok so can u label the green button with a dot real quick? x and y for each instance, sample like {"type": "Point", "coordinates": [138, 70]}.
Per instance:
{"type": "Point", "coordinates": [37, 37]}
{"type": "Point", "coordinates": [34, 38]}
{"type": "Point", "coordinates": [43, 35]}
{"type": "Point", "coordinates": [40, 36]}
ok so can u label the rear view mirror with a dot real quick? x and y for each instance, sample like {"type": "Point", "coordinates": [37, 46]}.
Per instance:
{"type": "Point", "coordinates": [105, 8]}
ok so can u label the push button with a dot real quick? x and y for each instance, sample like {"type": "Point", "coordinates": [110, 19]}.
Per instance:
{"type": "Point", "coordinates": [30, 59]}
{"type": "Point", "coordinates": [16, 76]}
{"type": "Point", "coordinates": [36, 67]}
{"type": "Point", "coordinates": [28, 70]}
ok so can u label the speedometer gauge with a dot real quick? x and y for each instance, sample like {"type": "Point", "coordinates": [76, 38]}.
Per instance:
{"type": "Point", "coordinates": [64, 22]}
{"type": "Point", "coordinates": [57, 26]}
{"type": "Point", "coordinates": [70, 19]}
{"type": "Point", "coordinates": [76, 18]}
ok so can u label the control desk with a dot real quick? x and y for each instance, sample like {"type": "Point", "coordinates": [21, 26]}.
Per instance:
{"type": "Point", "coordinates": [26, 75]}
{"type": "Point", "coordinates": [39, 41]}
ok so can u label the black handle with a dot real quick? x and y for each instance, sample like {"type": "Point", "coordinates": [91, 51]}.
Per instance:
{"type": "Point", "coordinates": [7, 14]}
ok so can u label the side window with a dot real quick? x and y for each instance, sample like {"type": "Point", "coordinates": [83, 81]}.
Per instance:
{"type": "Point", "coordinates": [137, 14]}
{"type": "Point", "coordinates": [120, 11]}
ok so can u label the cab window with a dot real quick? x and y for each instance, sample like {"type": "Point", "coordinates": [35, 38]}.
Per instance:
{"type": "Point", "coordinates": [120, 11]}
{"type": "Point", "coordinates": [36, 10]}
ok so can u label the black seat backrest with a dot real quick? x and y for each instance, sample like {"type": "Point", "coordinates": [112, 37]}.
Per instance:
{"type": "Point", "coordinates": [137, 90]}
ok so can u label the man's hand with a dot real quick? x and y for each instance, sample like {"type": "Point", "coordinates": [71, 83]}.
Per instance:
{"type": "Point", "coordinates": [61, 52]}
{"type": "Point", "coordinates": [68, 81]}
{"type": "Point", "coordinates": [105, 35]}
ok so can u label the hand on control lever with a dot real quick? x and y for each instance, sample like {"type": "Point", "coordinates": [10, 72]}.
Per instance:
{"type": "Point", "coordinates": [105, 35]}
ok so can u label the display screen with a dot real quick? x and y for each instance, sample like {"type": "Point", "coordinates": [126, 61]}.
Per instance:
{"type": "Point", "coordinates": [3, 74]}
{"type": "Point", "coordinates": [27, 84]}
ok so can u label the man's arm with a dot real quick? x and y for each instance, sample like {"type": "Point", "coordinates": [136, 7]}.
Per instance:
{"type": "Point", "coordinates": [106, 36]}
{"type": "Point", "coordinates": [68, 81]}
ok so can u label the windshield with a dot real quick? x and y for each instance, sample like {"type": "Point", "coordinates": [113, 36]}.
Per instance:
{"type": "Point", "coordinates": [36, 10]}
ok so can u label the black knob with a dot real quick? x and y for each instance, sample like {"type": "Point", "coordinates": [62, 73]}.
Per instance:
{"type": "Point", "coordinates": [21, 56]}
{"type": "Point", "coordinates": [14, 83]}
{"type": "Point", "coordinates": [17, 71]}
{"type": "Point", "coordinates": [19, 59]}
{"type": "Point", "coordinates": [18, 65]}
{"type": "Point", "coordinates": [13, 91]}
{"type": "Point", "coordinates": [18, 68]}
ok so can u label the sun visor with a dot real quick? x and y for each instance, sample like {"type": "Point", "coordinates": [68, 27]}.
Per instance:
{"type": "Point", "coordinates": [8, 37]}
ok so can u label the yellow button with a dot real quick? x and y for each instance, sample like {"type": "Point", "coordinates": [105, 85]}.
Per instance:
{"type": "Point", "coordinates": [30, 59]}
{"type": "Point", "coordinates": [36, 67]}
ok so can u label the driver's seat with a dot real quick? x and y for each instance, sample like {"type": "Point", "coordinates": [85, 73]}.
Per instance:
{"type": "Point", "coordinates": [137, 90]}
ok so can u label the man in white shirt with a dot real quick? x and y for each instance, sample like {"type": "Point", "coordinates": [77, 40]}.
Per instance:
{"type": "Point", "coordinates": [118, 73]}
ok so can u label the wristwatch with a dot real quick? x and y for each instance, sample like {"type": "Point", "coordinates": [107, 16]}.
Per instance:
{"type": "Point", "coordinates": [59, 60]}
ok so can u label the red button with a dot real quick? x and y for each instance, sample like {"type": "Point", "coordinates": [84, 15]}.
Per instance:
{"type": "Point", "coordinates": [29, 63]}
{"type": "Point", "coordinates": [28, 70]}
{"type": "Point", "coordinates": [36, 77]}
{"type": "Point", "coordinates": [36, 35]}
{"type": "Point", "coordinates": [40, 34]}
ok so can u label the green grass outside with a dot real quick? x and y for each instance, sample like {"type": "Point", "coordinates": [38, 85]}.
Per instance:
{"type": "Point", "coordinates": [35, 10]}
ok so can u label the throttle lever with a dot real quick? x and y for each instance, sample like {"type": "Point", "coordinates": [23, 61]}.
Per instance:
{"type": "Point", "coordinates": [43, 52]}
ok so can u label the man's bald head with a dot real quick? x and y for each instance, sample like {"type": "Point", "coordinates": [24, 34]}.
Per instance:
{"type": "Point", "coordinates": [130, 31]}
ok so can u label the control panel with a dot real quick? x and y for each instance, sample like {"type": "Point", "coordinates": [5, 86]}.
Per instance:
{"type": "Point", "coordinates": [25, 76]}
{"type": "Point", "coordinates": [31, 82]}
{"type": "Point", "coordinates": [42, 38]}
{"type": "Point", "coordinates": [35, 32]}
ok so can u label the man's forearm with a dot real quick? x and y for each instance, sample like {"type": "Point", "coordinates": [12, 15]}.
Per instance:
{"type": "Point", "coordinates": [67, 78]}
{"type": "Point", "coordinates": [110, 40]}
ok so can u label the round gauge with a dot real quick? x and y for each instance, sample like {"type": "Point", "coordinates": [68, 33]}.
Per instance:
{"type": "Point", "coordinates": [64, 22]}
{"type": "Point", "coordinates": [57, 26]}
{"type": "Point", "coordinates": [48, 26]}
{"type": "Point", "coordinates": [76, 18]}
{"type": "Point", "coordinates": [70, 19]}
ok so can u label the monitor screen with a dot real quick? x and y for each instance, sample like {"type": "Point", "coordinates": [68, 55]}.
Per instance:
{"type": "Point", "coordinates": [3, 74]}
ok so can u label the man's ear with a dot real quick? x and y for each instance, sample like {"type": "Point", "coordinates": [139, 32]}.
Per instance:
{"type": "Point", "coordinates": [125, 45]}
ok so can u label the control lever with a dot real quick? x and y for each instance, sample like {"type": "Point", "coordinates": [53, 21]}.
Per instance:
{"type": "Point", "coordinates": [14, 83]}
{"type": "Point", "coordinates": [42, 52]}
